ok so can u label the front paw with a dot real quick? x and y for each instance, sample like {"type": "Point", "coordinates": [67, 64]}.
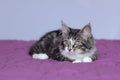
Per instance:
{"type": "Point", "coordinates": [77, 61]}
{"type": "Point", "coordinates": [87, 59]}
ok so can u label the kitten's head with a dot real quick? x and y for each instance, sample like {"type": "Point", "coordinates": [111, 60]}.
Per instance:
{"type": "Point", "coordinates": [76, 40]}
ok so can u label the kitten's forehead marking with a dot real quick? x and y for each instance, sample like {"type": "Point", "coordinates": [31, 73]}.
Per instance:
{"type": "Point", "coordinates": [72, 41]}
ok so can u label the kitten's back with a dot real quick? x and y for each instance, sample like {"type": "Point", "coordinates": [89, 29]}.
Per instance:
{"type": "Point", "coordinates": [43, 44]}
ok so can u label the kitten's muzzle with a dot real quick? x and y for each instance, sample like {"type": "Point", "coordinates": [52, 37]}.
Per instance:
{"type": "Point", "coordinates": [69, 49]}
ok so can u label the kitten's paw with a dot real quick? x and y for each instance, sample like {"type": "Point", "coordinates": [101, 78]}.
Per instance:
{"type": "Point", "coordinates": [87, 59]}
{"type": "Point", "coordinates": [40, 56]}
{"type": "Point", "coordinates": [77, 61]}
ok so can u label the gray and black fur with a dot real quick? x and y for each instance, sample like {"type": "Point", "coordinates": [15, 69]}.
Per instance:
{"type": "Point", "coordinates": [54, 43]}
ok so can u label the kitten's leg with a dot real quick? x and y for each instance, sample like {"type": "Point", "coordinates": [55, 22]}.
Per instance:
{"type": "Point", "coordinates": [40, 56]}
{"type": "Point", "coordinates": [77, 61]}
{"type": "Point", "coordinates": [90, 59]}
{"type": "Point", "coordinates": [94, 57]}
{"type": "Point", "coordinates": [87, 59]}
{"type": "Point", "coordinates": [56, 55]}
{"type": "Point", "coordinates": [37, 52]}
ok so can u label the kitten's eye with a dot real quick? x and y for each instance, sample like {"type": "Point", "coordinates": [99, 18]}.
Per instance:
{"type": "Point", "coordinates": [82, 46]}
{"type": "Point", "coordinates": [66, 43]}
{"type": "Point", "coordinates": [75, 46]}
{"type": "Point", "coordinates": [65, 40]}
{"type": "Point", "coordinates": [78, 42]}
{"type": "Point", "coordinates": [78, 46]}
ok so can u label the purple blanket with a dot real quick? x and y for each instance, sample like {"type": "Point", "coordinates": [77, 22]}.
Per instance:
{"type": "Point", "coordinates": [16, 64]}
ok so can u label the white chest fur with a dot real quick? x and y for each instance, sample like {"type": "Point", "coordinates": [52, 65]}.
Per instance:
{"type": "Point", "coordinates": [71, 56]}
{"type": "Point", "coordinates": [79, 57]}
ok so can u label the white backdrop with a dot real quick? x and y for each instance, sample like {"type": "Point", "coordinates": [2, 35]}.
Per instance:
{"type": "Point", "coordinates": [29, 19]}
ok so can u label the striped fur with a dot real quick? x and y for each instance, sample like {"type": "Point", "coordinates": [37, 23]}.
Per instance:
{"type": "Point", "coordinates": [66, 44]}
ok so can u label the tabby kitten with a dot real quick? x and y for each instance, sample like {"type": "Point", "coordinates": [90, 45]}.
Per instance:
{"type": "Point", "coordinates": [66, 44]}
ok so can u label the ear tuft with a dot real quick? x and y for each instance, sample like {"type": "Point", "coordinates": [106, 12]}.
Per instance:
{"type": "Point", "coordinates": [86, 31]}
{"type": "Point", "coordinates": [65, 28]}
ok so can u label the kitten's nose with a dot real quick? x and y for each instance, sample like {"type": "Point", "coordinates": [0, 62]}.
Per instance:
{"type": "Point", "coordinates": [70, 49]}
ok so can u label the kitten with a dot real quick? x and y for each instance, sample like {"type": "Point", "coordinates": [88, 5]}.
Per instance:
{"type": "Point", "coordinates": [66, 44]}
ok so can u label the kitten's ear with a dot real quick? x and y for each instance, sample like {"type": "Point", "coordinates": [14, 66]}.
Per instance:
{"type": "Point", "coordinates": [65, 28]}
{"type": "Point", "coordinates": [86, 32]}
